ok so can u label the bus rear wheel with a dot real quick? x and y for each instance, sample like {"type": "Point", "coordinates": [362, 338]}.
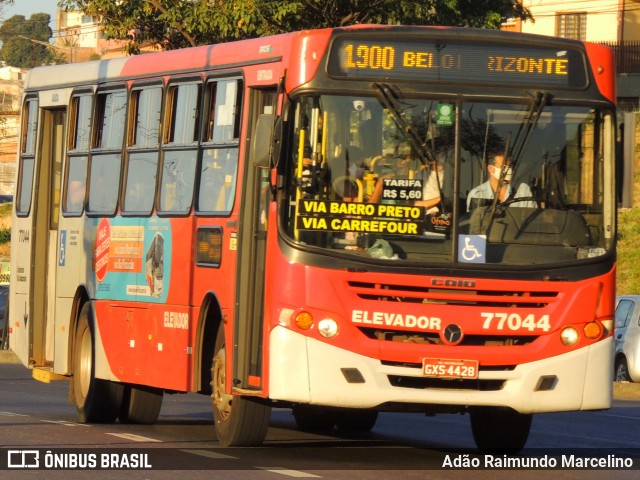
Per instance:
{"type": "Point", "coordinates": [238, 421]}
{"type": "Point", "coordinates": [141, 405]}
{"type": "Point", "coordinates": [96, 400]}
{"type": "Point", "coordinates": [500, 430]}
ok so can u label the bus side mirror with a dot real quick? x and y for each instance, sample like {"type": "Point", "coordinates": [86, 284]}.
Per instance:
{"type": "Point", "coordinates": [263, 145]}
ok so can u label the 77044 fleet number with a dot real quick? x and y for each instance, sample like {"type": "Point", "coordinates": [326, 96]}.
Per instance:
{"type": "Point", "coordinates": [514, 321]}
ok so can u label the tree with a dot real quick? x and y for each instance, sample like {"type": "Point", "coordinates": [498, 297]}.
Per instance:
{"type": "Point", "coordinates": [180, 23]}
{"type": "Point", "coordinates": [4, 3]}
{"type": "Point", "coordinates": [25, 42]}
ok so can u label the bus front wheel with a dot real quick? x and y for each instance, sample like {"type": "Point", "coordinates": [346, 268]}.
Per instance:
{"type": "Point", "coordinates": [96, 400]}
{"type": "Point", "coordinates": [238, 421]}
{"type": "Point", "coordinates": [500, 429]}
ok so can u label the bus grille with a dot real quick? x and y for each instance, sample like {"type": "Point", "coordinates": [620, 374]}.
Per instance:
{"type": "Point", "coordinates": [438, 383]}
{"type": "Point", "coordinates": [433, 338]}
{"type": "Point", "coordinates": [447, 296]}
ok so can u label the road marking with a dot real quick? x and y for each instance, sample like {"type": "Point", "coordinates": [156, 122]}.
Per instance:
{"type": "Point", "coordinates": [11, 414]}
{"type": "Point", "coordinates": [134, 438]}
{"type": "Point", "coordinates": [65, 423]}
{"type": "Point", "coordinates": [289, 473]}
{"type": "Point", "coordinates": [611, 415]}
{"type": "Point", "coordinates": [209, 454]}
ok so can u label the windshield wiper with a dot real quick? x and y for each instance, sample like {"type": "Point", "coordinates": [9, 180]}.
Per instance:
{"type": "Point", "coordinates": [390, 99]}
{"type": "Point", "coordinates": [538, 104]}
{"type": "Point", "coordinates": [540, 101]}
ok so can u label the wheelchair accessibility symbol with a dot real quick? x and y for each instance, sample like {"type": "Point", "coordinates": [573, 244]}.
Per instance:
{"type": "Point", "coordinates": [472, 248]}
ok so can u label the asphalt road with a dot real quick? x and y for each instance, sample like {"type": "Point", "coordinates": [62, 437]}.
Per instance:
{"type": "Point", "coordinates": [36, 417]}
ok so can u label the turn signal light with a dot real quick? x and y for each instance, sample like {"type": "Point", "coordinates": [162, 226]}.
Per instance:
{"type": "Point", "coordinates": [593, 330]}
{"type": "Point", "coordinates": [304, 320]}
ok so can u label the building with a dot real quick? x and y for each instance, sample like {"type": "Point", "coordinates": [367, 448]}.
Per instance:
{"type": "Point", "coordinates": [615, 23]}
{"type": "Point", "coordinates": [80, 39]}
{"type": "Point", "coordinates": [591, 20]}
{"type": "Point", "coordinates": [11, 82]}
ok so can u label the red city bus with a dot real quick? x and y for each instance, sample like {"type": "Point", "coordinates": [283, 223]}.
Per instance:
{"type": "Point", "coordinates": [341, 221]}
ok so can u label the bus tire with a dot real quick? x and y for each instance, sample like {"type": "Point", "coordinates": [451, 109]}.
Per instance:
{"type": "Point", "coordinates": [141, 404]}
{"type": "Point", "coordinates": [356, 420]}
{"type": "Point", "coordinates": [500, 430]}
{"type": "Point", "coordinates": [239, 421]}
{"type": "Point", "coordinates": [313, 418]}
{"type": "Point", "coordinates": [96, 400]}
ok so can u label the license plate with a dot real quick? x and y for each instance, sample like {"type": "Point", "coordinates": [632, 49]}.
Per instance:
{"type": "Point", "coordinates": [443, 368]}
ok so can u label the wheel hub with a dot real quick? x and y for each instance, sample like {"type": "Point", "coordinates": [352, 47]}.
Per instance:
{"type": "Point", "coordinates": [221, 400]}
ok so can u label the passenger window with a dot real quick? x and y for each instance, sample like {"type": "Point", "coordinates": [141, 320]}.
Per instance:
{"type": "Point", "coordinates": [183, 114]}
{"type": "Point", "coordinates": [27, 156]}
{"type": "Point", "coordinates": [146, 105]}
{"type": "Point", "coordinates": [111, 116]}
{"type": "Point", "coordinates": [80, 123]}
{"type": "Point", "coordinates": [106, 161]}
{"type": "Point", "coordinates": [217, 180]}
{"type": "Point", "coordinates": [30, 126]}
{"type": "Point", "coordinates": [104, 183]}
{"type": "Point", "coordinates": [224, 111]}
{"type": "Point", "coordinates": [219, 165]}
{"type": "Point", "coordinates": [76, 184]}
{"type": "Point", "coordinates": [78, 154]}
{"type": "Point", "coordinates": [180, 148]}
{"type": "Point", "coordinates": [144, 137]}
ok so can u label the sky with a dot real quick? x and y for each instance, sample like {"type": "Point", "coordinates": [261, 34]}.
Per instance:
{"type": "Point", "coordinates": [28, 7]}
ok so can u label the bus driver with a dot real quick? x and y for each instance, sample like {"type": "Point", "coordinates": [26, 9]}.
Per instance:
{"type": "Point", "coordinates": [485, 192]}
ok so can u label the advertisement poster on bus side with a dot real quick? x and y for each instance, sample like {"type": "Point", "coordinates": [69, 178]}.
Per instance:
{"type": "Point", "coordinates": [129, 259]}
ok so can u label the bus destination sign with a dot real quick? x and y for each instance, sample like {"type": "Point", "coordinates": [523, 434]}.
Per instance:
{"type": "Point", "coordinates": [457, 61]}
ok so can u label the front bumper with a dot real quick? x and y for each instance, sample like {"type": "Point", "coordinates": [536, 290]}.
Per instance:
{"type": "Point", "coordinates": [306, 370]}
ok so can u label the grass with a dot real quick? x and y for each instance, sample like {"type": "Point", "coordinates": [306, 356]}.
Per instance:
{"type": "Point", "coordinates": [5, 231]}
{"type": "Point", "coordinates": [628, 280]}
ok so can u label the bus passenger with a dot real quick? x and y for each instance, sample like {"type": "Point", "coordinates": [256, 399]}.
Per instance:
{"type": "Point", "coordinates": [75, 196]}
{"type": "Point", "coordinates": [398, 168]}
{"type": "Point", "coordinates": [484, 193]}
{"type": "Point", "coordinates": [432, 187]}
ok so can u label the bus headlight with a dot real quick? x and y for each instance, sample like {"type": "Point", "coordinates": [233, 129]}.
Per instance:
{"type": "Point", "coordinates": [569, 336]}
{"type": "Point", "coordinates": [328, 327]}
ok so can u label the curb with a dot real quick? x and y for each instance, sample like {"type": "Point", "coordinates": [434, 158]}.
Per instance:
{"type": "Point", "coordinates": [621, 390]}
{"type": "Point", "coordinates": [626, 391]}
{"type": "Point", "coordinates": [7, 356]}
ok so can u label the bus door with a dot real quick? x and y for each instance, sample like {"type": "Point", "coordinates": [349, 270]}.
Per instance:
{"type": "Point", "coordinates": [44, 245]}
{"type": "Point", "coordinates": [248, 336]}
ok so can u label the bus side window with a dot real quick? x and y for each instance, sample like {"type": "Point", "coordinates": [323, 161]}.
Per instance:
{"type": "Point", "coordinates": [78, 154]}
{"type": "Point", "coordinates": [217, 180]}
{"type": "Point", "coordinates": [27, 156]}
{"type": "Point", "coordinates": [180, 142]}
{"type": "Point", "coordinates": [142, 165]}
{"type": "Point", "coordinates": [219, 165]}
{"type": "Point", "coordinates": [106, 161]}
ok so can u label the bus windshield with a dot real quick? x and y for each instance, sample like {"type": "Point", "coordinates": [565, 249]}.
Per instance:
{"type": "Point", "coordinates": [436, 180]}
